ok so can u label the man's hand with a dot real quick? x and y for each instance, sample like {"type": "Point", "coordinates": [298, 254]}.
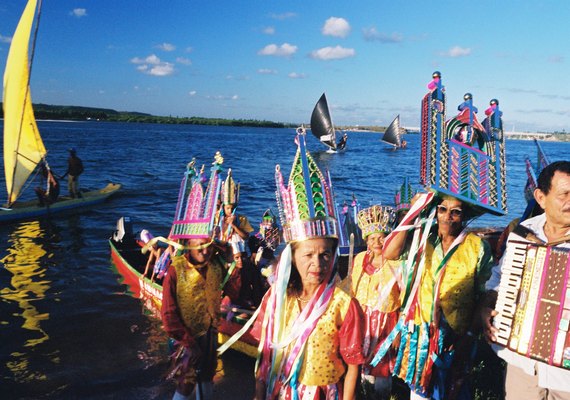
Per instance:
{"type": "Point", "coordinates": [489, 330]}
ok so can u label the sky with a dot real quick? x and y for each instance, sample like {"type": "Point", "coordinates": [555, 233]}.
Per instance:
{"type": "Point", "coordinates": [272, 60]}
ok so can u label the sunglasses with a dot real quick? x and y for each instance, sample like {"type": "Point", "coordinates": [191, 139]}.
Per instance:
{"type": "Point", "coordinates": [454, 212]}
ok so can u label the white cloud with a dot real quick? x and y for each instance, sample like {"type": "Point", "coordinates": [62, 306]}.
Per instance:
{"type": "Point", "coordinates": [295, 75]}
{"type": "Point", "coordinates": [285, 50]}
{"type": "Point", "coordinates": [79, 12]}
{"type": "Point", "coordinates": [166, 47]}
{"type": "Point", "coordinates": [332, 53]}
{"type": "Point", "coordinates": [192, 93]}
{"type": "Point", "coordinates": [372, 35]}
{"type": "Point", "coordinates": [337, 27]}
{"type": "Point", "coordinates": [456, 52]}
{"type": "Point", "coordinates": [5, 39]}
{"type": "Point", "coordinates": [267, 71]}
{"type": "Point", "coordinates": [153, 65]}
{"type": "Point", "coordinates": [222, 97]}
{"type": "Point", "coordinates": [183, 61]}
{"type": "Point", "coordinates": [269, 30]}
{"type": "Point", "coordinates": [283, 16]}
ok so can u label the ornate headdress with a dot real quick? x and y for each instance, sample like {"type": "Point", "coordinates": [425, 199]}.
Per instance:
{"type": "Point", "coordinates": [230, 190]}
{"type": "Point", "coordinates": [376, 219]}
{"type": "Point", "coordinates": [462, 157]}
{"type": "Point", "coordinates": [306, 206]}
{"type": "Point", "coordinates": [269, 229]}
{"type": "Point", "coordinates": [197, 207]}
{"type": "Point", "coordinates": [403, 197]}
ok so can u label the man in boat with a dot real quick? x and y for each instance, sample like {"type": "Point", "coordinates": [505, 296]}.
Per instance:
{"type": "Point", "coordinates": [527, 378]}
{"type": "Point", "coordinates": [191, 288]}
{"type": "Point", "coordinates": [342, 143]}
{"type": "Point", "coordinates": [74, 169]}
{"type": "Point", "coordinates": [50, 194]}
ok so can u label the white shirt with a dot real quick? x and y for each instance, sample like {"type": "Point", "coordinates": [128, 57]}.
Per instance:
{"type": "Point", "coordinates": [549, 377]}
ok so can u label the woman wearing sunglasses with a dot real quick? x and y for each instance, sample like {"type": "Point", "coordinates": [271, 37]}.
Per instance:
{"type": "Point", "coordinates": [446, 271]}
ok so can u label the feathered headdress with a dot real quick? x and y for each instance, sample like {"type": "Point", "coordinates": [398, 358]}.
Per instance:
{"type": "Point", "coordinates": [462, 157]}
{"type": "Point", "coordinates": [306, 206]}
{"type": "Point", "coordinates": [197, 207]}
{"type": "Point", "coordinates": [403, 197]}
{"type": "Point", "coordinates": [230, 190]}
{"type": "Point", "coordinates": [376, 219]}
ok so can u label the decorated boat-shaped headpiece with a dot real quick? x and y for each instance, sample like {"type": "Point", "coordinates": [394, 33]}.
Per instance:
{"type": "Point", "coordinates": [306, 205]}
{"type": "Point", "coordinates": [403, 196]}
{"type": "Point", "coordinates": [462, 157]}
{"type": "Point", "coordinates": [230, 190]}
{"type": "Point", "coordinates": [197, 206]}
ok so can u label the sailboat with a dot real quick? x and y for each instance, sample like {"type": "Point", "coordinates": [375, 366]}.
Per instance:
{"type": "Point", "coordinates": [393, 134]}
{"type": "Point", "coordinates": [24, 150]}
{"type": "Point", "coordinates": [323, 129]}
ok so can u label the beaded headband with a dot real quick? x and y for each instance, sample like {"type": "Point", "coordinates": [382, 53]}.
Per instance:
{"type": "Point", "coordinates": [196, 207]}
{"type": "Point", "coordinates": [306, 206]}
{"type": "Point", "coordinates": [462, 157]}
{"type": "Point", "coordinates": [376, 219]}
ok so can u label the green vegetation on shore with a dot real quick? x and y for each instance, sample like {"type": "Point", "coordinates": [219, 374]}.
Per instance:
{"type": "Point", "coordinates": [76, 113]}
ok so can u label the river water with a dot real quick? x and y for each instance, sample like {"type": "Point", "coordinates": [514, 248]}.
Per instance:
{"type": "Point", "coordinates": [68, 326]}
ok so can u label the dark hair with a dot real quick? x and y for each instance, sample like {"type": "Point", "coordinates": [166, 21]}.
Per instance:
{"type": "Point", "coordinates": [544, 183]}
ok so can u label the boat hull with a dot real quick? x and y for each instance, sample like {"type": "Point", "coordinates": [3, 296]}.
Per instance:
{"type": "Point", "coordinates": [126, 257]}
{"type": "Point", "coordinates": [30, 209]}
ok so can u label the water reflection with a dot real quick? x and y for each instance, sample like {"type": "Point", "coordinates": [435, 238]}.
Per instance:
{"type": "Point", "coordinates": [27, 285]}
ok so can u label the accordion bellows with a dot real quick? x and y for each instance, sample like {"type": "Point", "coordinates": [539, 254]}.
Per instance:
{"type": "Point", "coordinates": [197, 206]}
{"type": "Point", "coordinates": [306, 205]}
{"type": "Point", "coordinates": [376, 219]}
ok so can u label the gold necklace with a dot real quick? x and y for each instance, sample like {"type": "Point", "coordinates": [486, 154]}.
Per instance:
{"type": "Point", "coordinates": [302, 300]}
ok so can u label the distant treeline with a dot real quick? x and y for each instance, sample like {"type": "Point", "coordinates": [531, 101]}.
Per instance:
{"type": "Point", "coordinates": [76, 113]}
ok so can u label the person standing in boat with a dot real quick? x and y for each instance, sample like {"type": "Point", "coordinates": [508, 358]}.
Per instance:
{"type": "Point", "coordinates": [311, 330]}
{"type": "Point", "coordinates": [74, 169]}
{"type": "Point", "coordinates": [374, 282]}
{"type": "Point", "coordinates": [192, 287]}
{"type": "Point", "coordinates": [50, 194]}
{"type": "Point", "coordinates": [230, 223]}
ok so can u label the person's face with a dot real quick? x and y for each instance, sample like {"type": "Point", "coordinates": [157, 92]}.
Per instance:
{"type": "Point", "coordinates": [450, 214]}
{"type": "Point", "coordinates": [375, 243]}
{"type": "Point", "coordinates": [238, 259]}
{"type": "Point", "coordinates": [556, 203]}
{"type": "Point", "coordinates": [228, 209]}
{"type": "Point", "coordinates": [199, 257]}
{"type": "Point", "coordinates": [313, 259]}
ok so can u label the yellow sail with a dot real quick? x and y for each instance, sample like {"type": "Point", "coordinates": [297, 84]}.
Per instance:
{"type": "Point", "coordinates": [23, 146]}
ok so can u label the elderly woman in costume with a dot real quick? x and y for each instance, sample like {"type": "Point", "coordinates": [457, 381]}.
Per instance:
{"type": "Point", "coordinates": [374, 281]}
{"type": "Point", "coordinates": [311, 342]}
{"type": "Point", "coordinates": [440, 316]}
{"type": "Point", "coordinates": [191, 288]}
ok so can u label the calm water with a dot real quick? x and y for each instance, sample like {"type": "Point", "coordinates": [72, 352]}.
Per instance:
{"type": "Point", "coordinates": [69, 329]}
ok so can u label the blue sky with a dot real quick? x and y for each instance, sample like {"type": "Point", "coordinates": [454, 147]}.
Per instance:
{"type": "Point", "coordinates": [273, 59]}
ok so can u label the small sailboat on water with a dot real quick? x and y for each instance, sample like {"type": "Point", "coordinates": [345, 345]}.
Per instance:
{"type": "Point", "coordinates": [393, 134]}
{"type": "Point", "coordinates": [24, 150]}
{"type": "Point", "coordinates": [323, 129]}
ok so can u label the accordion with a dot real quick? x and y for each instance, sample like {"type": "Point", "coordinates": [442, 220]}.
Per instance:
{"type": "Point", "coordinates": [533, 302]}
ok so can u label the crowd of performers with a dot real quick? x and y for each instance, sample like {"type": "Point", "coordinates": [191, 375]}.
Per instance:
{"type": "Point", "coordinates": [412, 306]}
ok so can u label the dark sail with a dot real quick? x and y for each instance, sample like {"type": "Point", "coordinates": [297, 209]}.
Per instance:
{"type": "Point", "coordinates": [393, 133]}
{"type": "Point", "coordinates": [321, 123]}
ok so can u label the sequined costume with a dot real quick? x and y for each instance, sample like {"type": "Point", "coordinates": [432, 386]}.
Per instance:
{"type": "Point", "coordinates": [190, 308]}
{"type": "Point", "coordinates": [442, 310]}
{"type": "Point", "coordinates": [378, 293]}
{"type": "Point", "coordinates": [335, 341]}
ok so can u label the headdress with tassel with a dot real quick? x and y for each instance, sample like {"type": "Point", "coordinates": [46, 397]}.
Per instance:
{"type": "Point", "coordinates": [197, 207]}
{"type": "Point", "coordinates": [376, 219]}
{"type": "Point", "coordinates": [306, 206]}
